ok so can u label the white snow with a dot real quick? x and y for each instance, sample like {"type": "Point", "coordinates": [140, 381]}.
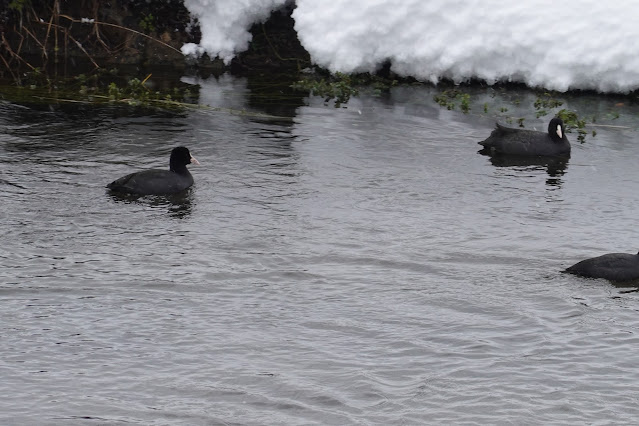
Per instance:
{"type": "Point", "coordinates": [225, 24]}
{"type": "Point", "coordinates": [572, 44]}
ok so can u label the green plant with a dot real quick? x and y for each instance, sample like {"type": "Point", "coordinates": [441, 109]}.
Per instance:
{"type": "Point", "coordinates": [339, 87]}
{"type": "Point", "coordinates": [546, 101]}
{"type": "Point", "coordinates": [113, 91]}
{"type": "Point", "coordinates": [147, 24]}
{"type": "Point", "coordinates": [19, 5]}
{"type": "Point", "coordinates": [450, 98]}
{"type": "Point", "coordinates": [571, 120]}
{"type": "Point", "coordinates": [445, 99]}
{"type": "Point", "coordinates": [465, 103]}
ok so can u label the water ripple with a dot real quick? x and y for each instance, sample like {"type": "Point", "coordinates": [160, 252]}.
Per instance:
{"type": "Point", "coordinates": [340, 268]}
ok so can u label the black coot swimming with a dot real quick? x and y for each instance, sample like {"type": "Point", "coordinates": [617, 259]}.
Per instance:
{"type": "Point", "coordinates": [617, 267]}
{"type": "Point", "coordinates": [508, 141]}
{"type": "Point", "coordinates": [159, 182]}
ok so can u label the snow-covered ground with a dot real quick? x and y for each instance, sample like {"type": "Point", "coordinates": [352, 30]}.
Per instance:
{"type": "Point", "coordinates": [572, 44]}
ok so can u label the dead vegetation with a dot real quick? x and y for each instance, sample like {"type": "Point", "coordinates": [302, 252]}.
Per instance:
{"type": "Point", "coordinates": [54, 38]}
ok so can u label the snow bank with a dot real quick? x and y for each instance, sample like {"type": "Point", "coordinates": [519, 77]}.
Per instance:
{"type": "Point", "coordinates": [574, 44]}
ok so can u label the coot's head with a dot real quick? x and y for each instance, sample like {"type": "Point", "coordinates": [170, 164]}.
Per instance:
{"type": "Point", "coordinates": [556, 129]}
{"type": "Point", "coordinates": [180, 157]}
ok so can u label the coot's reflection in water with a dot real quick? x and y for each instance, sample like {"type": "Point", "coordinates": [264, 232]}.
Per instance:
{"type": "Point", "coordinates": [556, 167]}
{"type": "Point", "coordinates": [177, 205]}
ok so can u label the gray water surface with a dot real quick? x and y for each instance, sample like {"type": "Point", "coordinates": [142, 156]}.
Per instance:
{"type": "Point", "coordinates": [359, 265]}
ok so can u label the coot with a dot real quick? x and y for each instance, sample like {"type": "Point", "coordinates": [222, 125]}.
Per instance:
{"type": "Point", "coordinates": [618, 267]}
{"type": "Point", "coordinates": [159, 182]}
{"type": "Point", "coordinates": [508, 141]}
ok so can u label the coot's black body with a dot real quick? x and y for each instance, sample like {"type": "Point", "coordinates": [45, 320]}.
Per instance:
{"type": "Point", "coordinates": [521, 142]}
{"type": "Point", "coordinates": [617, 267]}
{"type": "Point", "coordinates": [159, 182]}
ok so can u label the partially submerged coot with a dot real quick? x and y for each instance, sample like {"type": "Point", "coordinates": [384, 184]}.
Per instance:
{"type": "Point", "coordinates": [617, 267]}
{"type": "Point", "coordinates": [159, 182]}
{"type": "Point", "coordinates": [521, 142]}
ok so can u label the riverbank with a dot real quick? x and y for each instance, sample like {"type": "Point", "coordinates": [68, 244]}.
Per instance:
{"type": "Point", "coordinates": [62, 40]}
{"type": "Point", "coordinates": [130, 53]}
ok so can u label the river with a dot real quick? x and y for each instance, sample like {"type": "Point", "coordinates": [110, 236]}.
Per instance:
{"type": "Point", "coordinates": [330, 266]}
